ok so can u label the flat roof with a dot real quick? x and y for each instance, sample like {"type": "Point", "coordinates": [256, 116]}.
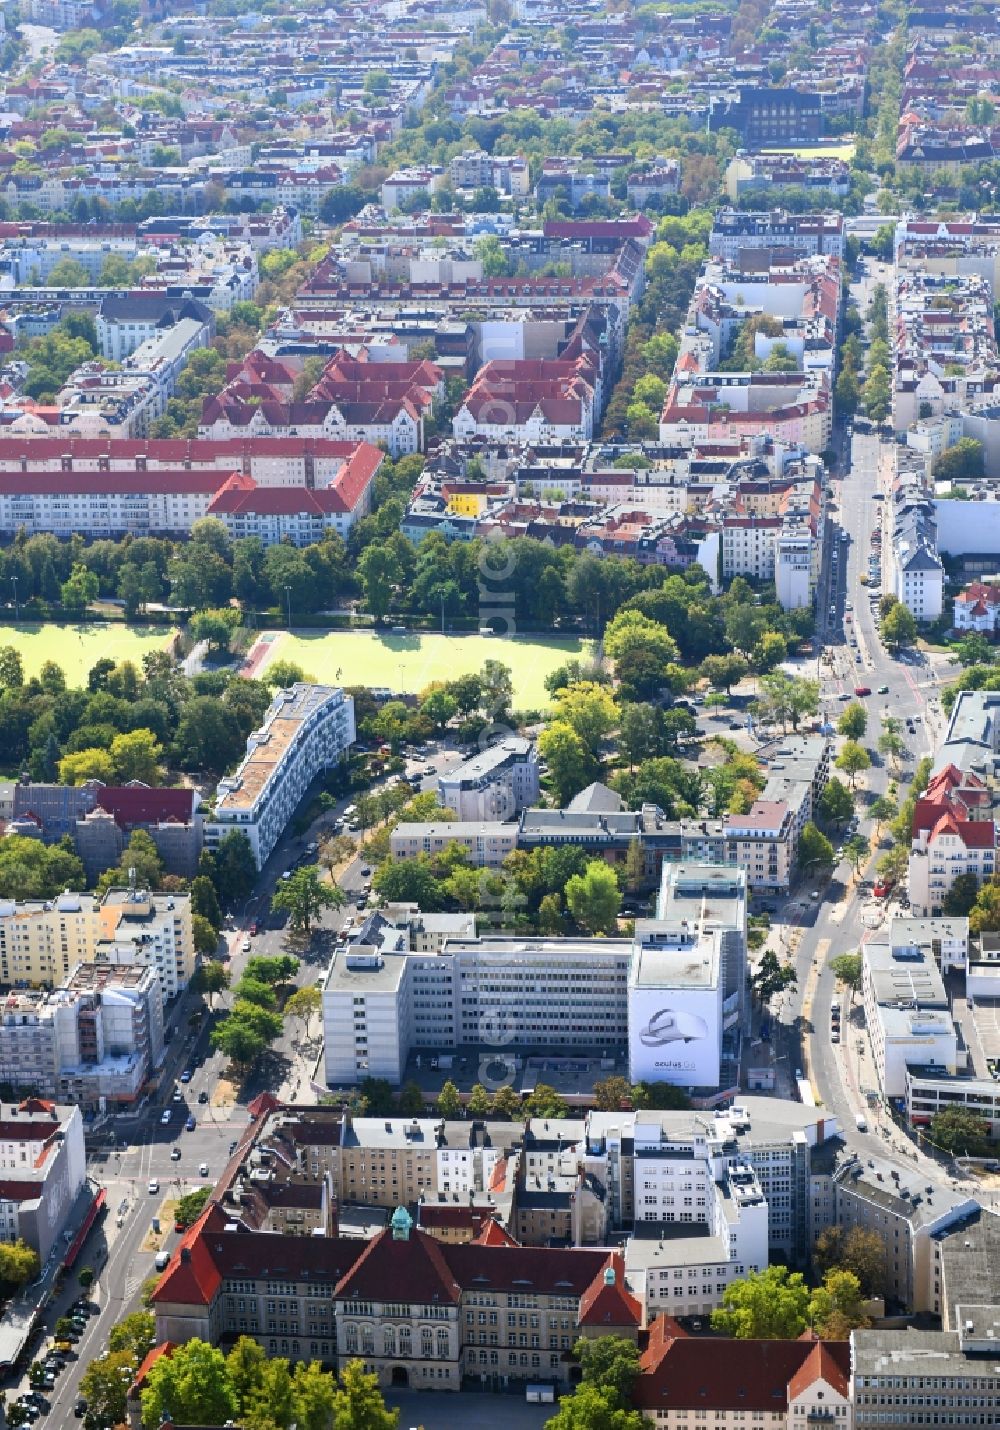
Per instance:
{"type": "Point", "coordinates": [268, 745]}
{"type": "Point", "coordinates": [694, 966]}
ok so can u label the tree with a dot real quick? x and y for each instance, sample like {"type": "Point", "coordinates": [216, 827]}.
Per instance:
{"type": "Point", "coordinates": [449, 1102]}
{"type": "Point", "coordinates": [768, 1305]}
{"type": "Point", "coordinates": [84, 765]}
{"type": "Point", "coordinates": [439, 707]}
{"type": "Point", "coordinates": [772, 976]}
{"type": "Point", "coordinates": [880, 810]}
{"type": "Point", "coordinates": [589, 709]}
{"type": "Point", "coordinates": [136, 756]}
{"type": "Point", "coordinates": [975, 649]}
{"type": "Point", "coordinates": [190, 1207]}
{"type": "Point", "coordinates": [79, 589]}
{"type": "Point", "coordinates": [769, 652]}
{"type": "Point", "coordinates": [85, 1276]}
{"type": "Point", "coordinates": [960, 899]}
{"type": "Point", "coordinates": [835, 1308]}
{"type": "Point", "coordinates": [190, 1386]}
{"type": "Point", "coordinates": [856, 850]}
{"type": "Point", "coordinates": [593, 898]}
{"type": "Point", "coordinates": [814, 848]}
{"type": "Point", "coordinates": [232, 867]}
{"type": "Point", "coordinates": [215, 627]}
{"type": "Point", "coordinates": [240, 1042]}
{"type": "Point", "coordinates": [272, 969]}
{"type": "Point", "coordinates": [876, 395]}
{"type": "Point", "coordinates": [105, 1385]}
{"type": "Point", "coordinates": [858, 1250]}
{"type": "Point", "coordinates": [641, 650]}
{"type": "Point", "coordinates": [544, 1101]}
{"type": "Point", "coordinates": [960, 1132]}
{"type": "Point", "coordinates": [788, 698]}
{"type": "Point", "coordinates": [479, 1101]}
{"type": "Point", "coordinates": [379, 572]}
{"type": "Point", "coordinates": [853, 721]}
{"type": "Point", "coordinates": [19, 1264]}
{"type": "Point", "coordinates": [611, 1363]}
{"type": "Point", "coordinates": [723, 671]}
{"type": "Point", "coordinates": [304, 1004]}
{"type": "Point", "coordinates": [899, 626]}
{"type": "Point", "coordinates": [210, 978]}
{"type": "Point", "coordinates": [304, 897]}
{"type": "Point", "coordinates": [853, 759]}
{"type": "Point", "coordinates": [410, 881]}
{"type": "Point", "coordinates": [588, 1409]}
{"type": "Point", "coordinates": [506, 1103]}
{"type": "Point", "coordinates": [571, 764]}
{"type": "Point", "coordinates": [205, 901]}
{"type": "Point", "coordinates": [962, 462]}
{"type": "Point", "coordinates": [847, 968]}
{"type": "Point", "coordinates": [358, 1403]}
{"type": "Point", "coordinates": [136, 1333]}
{"type": "Point", "coordinates": [836, 803]}
{"type": "Point", "coordinates": [251, 990]}
{"type": "Point", "coordinates": [612, 1094]}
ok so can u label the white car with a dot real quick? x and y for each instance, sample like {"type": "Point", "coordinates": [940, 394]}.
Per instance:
{"type": "Point", "coordinates": [203, 1169]}
{"type": "Point", "coordinates": [154, 1187]}
{"type": "Point", "coordinates": [245, 945]}
{"type": "Point", "coordinates": [165, 1117]}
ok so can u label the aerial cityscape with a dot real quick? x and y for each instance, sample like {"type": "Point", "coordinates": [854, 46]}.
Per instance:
{"type": "Point", "coordinates": [500, 714]}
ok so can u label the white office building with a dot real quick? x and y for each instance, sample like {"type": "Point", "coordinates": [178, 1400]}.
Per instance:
{"type": "Point", "coordinates": [306, 730]}
{"type": "Point", "coordinates": [393, 990]}
{"type": "Point", "coordinates": [907, 1014]}
{"type": "Point", "coordinates": [496, 784]}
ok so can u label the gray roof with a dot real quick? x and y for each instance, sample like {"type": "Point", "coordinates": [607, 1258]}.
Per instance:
{"type": "Point", "coordinates": [925, 1354]}
{"type": "Point", "coordinates": [597, 798]}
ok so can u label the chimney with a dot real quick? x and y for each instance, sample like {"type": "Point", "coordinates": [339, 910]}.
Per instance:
{"type": "Point", "coordinates": [185, 1253]}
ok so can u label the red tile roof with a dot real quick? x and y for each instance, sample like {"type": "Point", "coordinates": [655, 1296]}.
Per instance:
{"type": "Point", "coordinates": [610, 1305]}
{"type": "Point", "coordinates": [828, 1360]}
{"type": "Point", "coordinates": [140, 804]}
{"type": "Point", "coordinates": [702, 1373]}
{"type": "Point", "coordinates": [415, 1269]}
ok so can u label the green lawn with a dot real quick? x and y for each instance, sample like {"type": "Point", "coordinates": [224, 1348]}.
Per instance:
{"type": "Point", "coordinates": [843, 151]}
{"type": "Point", "coordinates": [408, 663]}
{"type": "Point", "coordinates": [77, 648]}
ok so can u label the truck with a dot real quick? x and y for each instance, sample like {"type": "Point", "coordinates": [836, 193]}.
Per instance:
{"type": "Point", "coordinates": [861, 1122]}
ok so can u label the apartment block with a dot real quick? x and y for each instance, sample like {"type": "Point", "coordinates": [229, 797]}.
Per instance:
{"type": "Point", "coordinates": [487, 841]}
{"type": "Point", "coordinates": [306, 730]}
{"type": "Point", "coordinates": [495, 784]}
{"type": "Point", "coordinates": [94, 1040]}
{"type": "Point", "coordinates": [43, 1163]}
{"type": "Point", "coordinates": [40, 943]}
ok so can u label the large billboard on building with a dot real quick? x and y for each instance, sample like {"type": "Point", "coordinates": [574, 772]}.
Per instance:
{"type": "Point", "coordinates": [674, 1035]}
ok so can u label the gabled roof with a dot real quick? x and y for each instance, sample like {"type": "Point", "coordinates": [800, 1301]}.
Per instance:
{"type": "Point", "coordinates": [610, 1303]}
{"type": "Point", "coordinates": [825, 1362]}
{"type": "Point", "coordinates": [415, 1269]}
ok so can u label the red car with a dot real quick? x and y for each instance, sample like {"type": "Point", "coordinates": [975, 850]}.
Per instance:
{"type": "Point", "coordinates": [252, 929]}
{"type": "Point", "coordinates": [861, 690]}
{"type": "Point", "coordinates": [883, 887]}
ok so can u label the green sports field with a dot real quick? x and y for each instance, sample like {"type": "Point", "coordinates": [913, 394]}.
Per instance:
{"type": "Point", "coordinates": [843, 151]}
{"type": "Point", "coordinates": [77, 648]}
{"type": "Point", "coordinates": [409, 662]}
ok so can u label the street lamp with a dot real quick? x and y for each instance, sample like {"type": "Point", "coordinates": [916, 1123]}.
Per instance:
{"type": "Point", "coordinates": [17, 608]}
{"type": "Point", "coordinates": [288, 604]}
